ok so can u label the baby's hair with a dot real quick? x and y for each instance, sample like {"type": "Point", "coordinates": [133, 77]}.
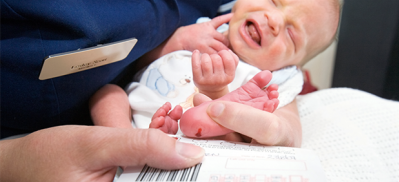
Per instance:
{"type": "Point", "coordinates": [335, 9]}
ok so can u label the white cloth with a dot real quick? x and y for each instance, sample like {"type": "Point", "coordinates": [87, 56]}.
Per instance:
{"type": "Point", "coordinates": [170, 79]}
{"type": "Point", "coordinates": [354, 133]}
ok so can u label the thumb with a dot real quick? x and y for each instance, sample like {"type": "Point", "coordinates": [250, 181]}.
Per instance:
{"type": "Point", "coordinates": [244, 119]}
{"type": "Point", "coordinates": [131, 147]}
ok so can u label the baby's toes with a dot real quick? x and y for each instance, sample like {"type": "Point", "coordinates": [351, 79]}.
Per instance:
{"type": "Point", "coordinates": [162, 111]}
{"type": "Point", "coordinates": [171, 125]}
{"type": "Point", "coordinates": [164, 128]}
{"type": "Point", "coordinates": [157, 123]}
{"type": "Point", "coordinates": [262, 78]}
{"type": "Point", "coordinates": [273, 95]}
{"type": "Point", "coordinates": [269, 106]}
{"type": "Point", "coordinates": [276, 102]}
{"type": "Point", "coordinates": [272, 89]}
{"type": "Point", "coordinates": [176, 113]}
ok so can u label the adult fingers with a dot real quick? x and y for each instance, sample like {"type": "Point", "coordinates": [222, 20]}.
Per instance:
{"type": "Point", "coordinates": [218, 46]}
{"type": "Point", "coordinates": [222, 38]}
{"type": "Point", "coordinates": [130, 147]}
{"type": "Point", "coordinates": [79, 153]}
{"type": "Point", "coordinates": [255, 123]}
{"type": "Point", "coordinates": [207, 48]}
{"type": "Point", "coordinates": [219, 20]}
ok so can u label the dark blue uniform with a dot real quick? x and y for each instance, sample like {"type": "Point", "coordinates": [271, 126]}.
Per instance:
{"type": "Point", "coordinates": [32, 30]}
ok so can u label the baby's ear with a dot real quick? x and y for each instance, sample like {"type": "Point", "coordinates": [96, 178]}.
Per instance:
{"type": "Point", "coordinates": [200, 98]}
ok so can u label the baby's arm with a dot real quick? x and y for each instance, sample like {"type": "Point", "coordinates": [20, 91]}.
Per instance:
{"type": "Point", "coordinates": [212, 73]}
{"type": "Point", "coordinates": [110, 107]}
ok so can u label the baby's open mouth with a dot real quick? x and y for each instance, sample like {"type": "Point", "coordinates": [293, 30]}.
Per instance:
{"type": "Point", "coordinates": [253, 32]}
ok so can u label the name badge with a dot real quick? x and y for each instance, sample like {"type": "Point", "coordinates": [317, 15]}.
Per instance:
{"type": "Point", "coordinates": [83, 59]}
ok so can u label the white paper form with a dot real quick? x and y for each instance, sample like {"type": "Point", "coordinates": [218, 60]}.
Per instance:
{"type": "Point", "coordinates": [238, 162]}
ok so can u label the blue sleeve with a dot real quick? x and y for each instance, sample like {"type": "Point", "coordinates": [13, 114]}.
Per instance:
{"type": "Point", "coordinates": [32, 30]}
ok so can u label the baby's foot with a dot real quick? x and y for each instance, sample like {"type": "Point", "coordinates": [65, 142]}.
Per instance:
{"type": "Point", "coordinates": [196, 123]}
{"type": "Point", "coordinates": [255, 94]}
{"type": "Point", "coordinates": [167, 121]}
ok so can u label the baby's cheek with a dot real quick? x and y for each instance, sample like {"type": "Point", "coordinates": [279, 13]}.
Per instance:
{"type": "Point", "coordinates": [196, 123]}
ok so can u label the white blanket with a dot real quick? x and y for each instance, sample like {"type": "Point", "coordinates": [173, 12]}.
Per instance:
{"type": "Point", "coordinates": [355, 134]}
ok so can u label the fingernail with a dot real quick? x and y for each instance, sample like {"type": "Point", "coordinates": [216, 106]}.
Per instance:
{"type": "Point", "coordinates": [189, 150]}
{"type": "Point", "coordinates": [216, 109]}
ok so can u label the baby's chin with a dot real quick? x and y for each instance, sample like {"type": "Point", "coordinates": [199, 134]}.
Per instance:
{"type": "Point", "coordinates": [263, 66]}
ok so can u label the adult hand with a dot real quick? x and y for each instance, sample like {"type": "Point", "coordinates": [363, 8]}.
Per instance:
{"type": "Point", "coordinates": [90, 153]}
{"type": "Point", "coordinates": [200, 36]}
{"type": "Point", "coordinates": [280, 128]}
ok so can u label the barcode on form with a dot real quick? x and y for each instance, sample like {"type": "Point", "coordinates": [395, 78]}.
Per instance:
{"type": "Point", "coordinates": [154, 174]}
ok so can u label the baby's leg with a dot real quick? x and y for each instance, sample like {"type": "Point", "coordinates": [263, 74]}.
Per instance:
{"type": "Point", "coordinates": [167, 121]}
{"type": "Point", "coordinates": [110, 107]}
{"type": "Point", "coordinates": [196, 123]}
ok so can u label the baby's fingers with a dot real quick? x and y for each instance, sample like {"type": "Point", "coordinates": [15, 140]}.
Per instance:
{"type": "Point", "coordinates": [196, 64]}
{"type": "Point", "coordinates": [218, 67]}
{"type": "Point", "coordinates": [206, 65]}
{"type": "Point", "coordinates": [230, 62]}
{"type": "Point", "coordinates": [201, 65]}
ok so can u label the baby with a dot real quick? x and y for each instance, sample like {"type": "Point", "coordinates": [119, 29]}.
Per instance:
{"type": "Point", "coordinates": [267, 35]}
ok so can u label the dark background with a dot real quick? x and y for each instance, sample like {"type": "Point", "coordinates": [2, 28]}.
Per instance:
{"type": "Point", "coordinates": [368, 47]}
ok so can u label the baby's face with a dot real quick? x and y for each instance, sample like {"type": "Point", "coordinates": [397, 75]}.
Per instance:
{"type": "Point", "coordinates": [272, 34]}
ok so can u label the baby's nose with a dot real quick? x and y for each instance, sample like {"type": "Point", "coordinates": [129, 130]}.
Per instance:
{"type": "Point", "coordinates": [275, 22]}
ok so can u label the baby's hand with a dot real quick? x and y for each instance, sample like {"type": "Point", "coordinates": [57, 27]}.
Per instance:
{"type": "Point", "coordinates": [212, 73]}
{"type": "Point", "coordinates": [200, 36]}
